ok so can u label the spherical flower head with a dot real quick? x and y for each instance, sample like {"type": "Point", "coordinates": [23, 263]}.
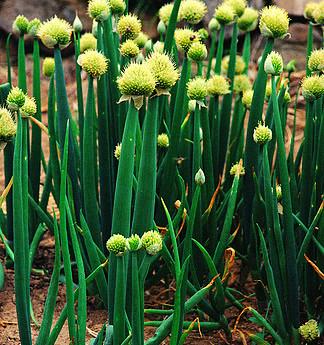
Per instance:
{"type": "Point", "coordinates": [185, 38]}
{"type": "Point", "coordinates": [158, 47]}
{"type": "Point", "coordinates": [217, 86]}
{"type": "Point", "coordinates": [273, 64]}
{"type": "Point", "coordinates": [87, 42]}
{"type": "Point", "coordinates": [163, 69]}
{"type": "Point", "coordinates": [274, 22]}
{"type": "Point", "coordinates": [136, 82]}
{"type": "Point", "coordinates": [200, 177]}
{"type": "Point", "coordinates": [287, 97]}
{"type": "Point", "coordinates": [152, 242]}
{"type": "Point", "coordinates": [309, 10]}
{"type": "Point", "coordinates": [224, 13]}
{"type": "Point", "coordinates": [117, 245]}
{"type": "Point", "coordinates": [249, 20]}
{"type": "Point", "coordinates": [213, 25]}
{"type": "Point", "coordinates": [98, 10]}
{"type": "Point", "coordinates": [20, 25]}
{"type": "Point", "coordinates": [262, 134]}
{"type": "Point", "coordinates": [117, 151]}
{"type": "Point", "coordinates": [15, 99]}
{"type": "Point", "coordinates": [309, 331]}
{"type": "Point", "coordinates": [29, 108]}
{"type": "Point", "coordinates": [165, 13]}
{"type": "Point", "coordinates": [197, 51]}
{"type": "Point", "coordinates": [319, 13]}
{"type": "Point", "coordinates": [93, 62]}
{"type": "Point", "coordinates": [55, 32]}
{"type": "Point", "coordinates": [129, 49]}
{"type": "Point", "coordinates": [197, 89]}
{"type": "Point", "coordinates": [134, 243]}
{"type": "Point", "coordinates": [192, 11]}
{"type": "Point", "coordinates": [237, 5]}
{"type": "Point", "coordinates": [163, 140]}
{"type": "Point", "coordinates": [129, 26]}
{"type": "Point", "coordinates": [237, 170]}
{"type": "Point", "coordinates": [203, 34]}
{"type": "Point", "coordinates": [48, 66]}
{"type": "Point", "coordinates": [247, 98]}
{"type": "Point", "coordinates": [77, 24]}
{"type": "Point", "coordinates": [117, 7]}
{"type": "Point", "coordinates": [7, 126]}
{"type": "Point", "coordinates": [316, 61]}
{"type": "Point", "coordinates": [313, 87]}
{"type": "Point", "coordinates": [279, 192]}
{"type": "Point", "coordinates": [239, 64]}
{"type": "Point", "coordinates": [33, 27]}
{"type": "Point", "coordinates": [242, 83]}
{"type": "Point", "coordinates": [141, 40]}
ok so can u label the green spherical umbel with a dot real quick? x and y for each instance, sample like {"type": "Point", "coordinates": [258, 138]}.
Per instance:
{"type": "Point", "coordinates": [192, 11]}
{"type": "Point", "coordinates": [141, 40]}
{"type": "Point", "coordinates": [129, 49]}
{"type": "Point", "coordinates": [152, 242]}
{"type": "Point", "coordinates": [249, 20]}
{"type": "Point", "coordinates": [48, 66]}
{"type": "Point", "coordinates": [247, 98]}
{"type": "Point", "coordinates": [98, 10]}
{"type": "Point", "coordinates": [319, 13]}
{"type": "Point", "coordinates": [7, 126]}
{"type": "Point", "coordinates": [117, 245]}
{"type": "Point", "coordinates": [20, 25]}
{"type": "Point", "coordinates": [197, 52]}
{"type": "Point", "coordinates": [239, 64]}
{"type": "Point", "coordinates": [242, 83]}
{"type": "Point", "coordinates": [197, 89]}
{"type": "Point", "coordinates": [217, 86]}
{"type": "Point", "coordinates": [165, 13]}
{"type": "Point", "coordinates": [129, 26]}
{"type": "Point", "coordinates": [274, 22]}
{"type": "Point", "coordinates": [309, 10]}
{"type": "Point", "coordinates": [117, 7]}
{"type": "Point", "coordinates": [55, 32]}
{"type": "Point", "coordinates": [134, 243]}
{"type": "Point", "coordinates": [237, 5]}
{"type": "Point", "coordinates": [16, 99]}
{"type": "Point", "coordinates": [273, 64]}
{"type": "Point", "coordinates": [316, 61]}
{"type": "Point", "coordinates": [94, 63]}
{"type": "Point", "coordinates": [29, 108]}
{"type": "Point", "coordinates": [224, 13]}
{"type": "Point", "coordinates": [262, 134]}
{"type": "Point", "coordinates": [237, 169]}
{"type": "Point", "coordinates": [185, 38]}
{"type": "Point", "coordinates": [33, 27]}
{"type": "Point", "coordinates": [309, 331]}
{"type": "Point", "coordinates": [87, 42]}
{"type": "Point", "coordinates": [163, 140]}
{"type": "Point", "coordinates": [313, 87]}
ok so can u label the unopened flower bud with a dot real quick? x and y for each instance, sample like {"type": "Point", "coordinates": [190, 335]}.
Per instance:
{"type": "Point", "coordinates": [273, 64]}
{"type": "Point", "coordinates": [48, 66]}
{"type": "Point", "coordinates": [200, 177]}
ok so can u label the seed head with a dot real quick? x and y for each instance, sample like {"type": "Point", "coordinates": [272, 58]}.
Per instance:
{"type": "Point", "coordinates": [273, 64]}
{"type": "Point", "coordinates": [117, 151]}
{"type": "Point", "coordinates": [247, 98]}
{"type": "Point", "coordinates": [117, 245]}
{"type": "Point", "coordinates": [309, 10]}
{"type": "Point", "coordinates": [20, 25]}
{"type": "Point", "coordinates": [141, 40]}
{"type": "Point", "coordinates": [152, 242]}
{"type": "Point", "coordinates": [165, 13]}
{"type": "Point", "coordinates": [15, 99]}
{"type": "Point", "coordinates": [136, 80]}
{"type": "Point", "coordinates": [48, 66]}
{"type": "Point", "coordinates": [249, 20]}
{"type": "Point", "coordinates": [262, 134]}
{"type": "Point", "coordinates": [129, 26]}
{"type": "Point", "coordinates": [313, 87]}
{"type": "Point", "coordinates": [185, 38]}
{"type": "Point", "coordinates": [98, 10]}
{"type": "Point", "coordinates": [197, 89]}
{"type": "Point", "coordinates": [77, 24]}
{"type": "Point", "coordinates": [309, 331]}
{"type": "Point", "coordinates": [237, 5]}
{"type": "Point", "coordinates": [55, 32]}
{"type": "Point", "coordinates": [242, 83]}
{"type": "Point", "coordinates": [7, 126]}
{"type": "Point", "coordinates": [163, 140]}
{"type": "Point", "coordinates": [29, 108]}
{"type": "Point", "coordinates": [197, 51]}
{"type": "Point", "coordinates": [224, 13]}
{"type": "Point", "coordinates": [192, 11]}
{"type": "Point", "coordinates": [316, 61]}
{"type": "Point", "coordinates": [319, 13]}
{"type": "Point", "coordinates": [203, 34]}
{"type": "Point", "coordinates": [87, 42]}
{"type": "Point", "coordinates": [239, 64]}
{"type": "Point", "coordinates": [274, 22]}
{"type": "Point", "coordinates": [129, 49]}
{"type": "Point", "coordinates": [33, 27]}
{"type": "Point", "coordinates": [117, 7]}
{"type": "Point", "coordinates": [94, 63]}
{"type": "Point", "coordinates": [200, 177]}
{"type": "Point", "coordinates": [163, 69]}
{"type": "Point", "coordinates": [237, 169]}
{"type": "Point", "coordinates": [217, 85]}
{"type": "Point", "coordinates": [134, 243]}
{"type": "Point", "coordinates": [213, 25]}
